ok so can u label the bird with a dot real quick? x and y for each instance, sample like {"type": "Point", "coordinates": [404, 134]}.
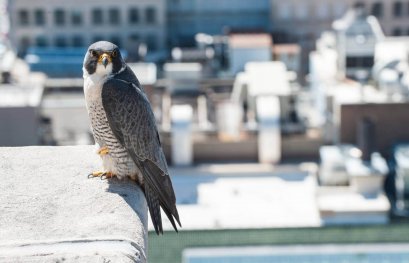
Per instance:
{"type": "Point", "coordinates": [124, 130]}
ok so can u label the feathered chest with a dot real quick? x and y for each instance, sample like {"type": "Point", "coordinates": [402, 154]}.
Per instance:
{"type": "Point", "coordinates": [96, 112]}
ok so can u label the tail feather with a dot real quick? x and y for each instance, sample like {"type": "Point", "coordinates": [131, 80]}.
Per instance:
{"type": "Point", "coordinates": [154, 209]}
{"type": "Point", "coordinates": [159, 193]}
{"type": "Point", "coordinates": [164, 191]}
{"type": "Point", "coordinates": [171, 219]}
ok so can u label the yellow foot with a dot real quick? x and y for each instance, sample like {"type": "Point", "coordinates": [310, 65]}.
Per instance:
{"type": "Point", "coordinates": [102, 175]}
{"type": "Point", "coordinates": [103, 150]}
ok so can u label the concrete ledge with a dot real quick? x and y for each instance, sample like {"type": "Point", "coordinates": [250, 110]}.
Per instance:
{"type": "Point", "coordinates": [51, 212]}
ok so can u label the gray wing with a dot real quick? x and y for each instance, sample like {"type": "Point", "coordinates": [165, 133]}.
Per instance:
{"type": "Point", "coordinates": [132, 121]}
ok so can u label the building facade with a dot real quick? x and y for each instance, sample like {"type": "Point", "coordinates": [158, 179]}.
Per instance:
{"type": "Point", "coordinates": [163, 24]}
{"type": "Point", "coordinates": [303, 22]}
{"type": "Point", "coordinates": [78, 23]}
{"type": "Point", "coordinates": [186, 18]}
{"type": "Point", "coordinates": [307, 19]}
{"type": "Point", "coordinates": [4, 19]}
{"type": "Point", "coordinates": [158, 23]}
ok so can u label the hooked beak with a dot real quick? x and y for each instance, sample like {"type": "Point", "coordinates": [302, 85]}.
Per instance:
{"type": "Point", "coordinates": [104, 59]}
{"type": "Point", "coordinates": [105, 62]}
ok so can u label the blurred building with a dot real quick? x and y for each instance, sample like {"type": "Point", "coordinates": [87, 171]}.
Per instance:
{"type": "Point", "coordinates": [186, 18]}
{"type": "Point", "coordinates": [21, 92]}
{"type": "Point", "coordinates": [65, 24]}
{"type": "Point", "coordinates": [389, 130]}
{"type": "Point", "coordinates": [4, 19]}
{"type": "Point", "coordinates": [304, 21]}
{"type": "Point", "coordinates": [77, 23]}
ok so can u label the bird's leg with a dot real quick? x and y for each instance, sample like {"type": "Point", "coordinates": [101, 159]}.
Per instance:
{"type": "Point", "coordinates": [107, 175]}
{"type": "Point", "coordinates": [102, 175]}
{"type": "Point", "coordinates": [103, 150]}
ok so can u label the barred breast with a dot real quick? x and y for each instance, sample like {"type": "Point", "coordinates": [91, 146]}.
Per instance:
{"type": "Point", "coordinates": [117, 161]}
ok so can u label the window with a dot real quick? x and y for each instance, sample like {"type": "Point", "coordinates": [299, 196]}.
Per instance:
{"type": "Point", "coordinates": [23, 17]}
{"type": "Point", "coordinates": [114, 16]}
{"type": "Point", "coordinates": [76, 17]}
{"type": "Point", "coordinates": [359, 5]}
{"type": "Point", "coordinates": [60, 41]}
{"type": "Point", "coordinates": [352, 62]}
{"type": "Point", "coordinates": [397, 9]}
{"type": "Point", "coordinates": [359, 62]}
{"type": "Point", "coordinates": [39, 17]}
{"type": "Point", "coordinates": [284, 11]}
{"type": "Point", "coordinates": [301, 11]}
{"type": "Point", "coordinates": [377, 9]}
{"type": "Point", "coordinates": [41, 41]}
{"type": "Point", "coordinates": [397, 32]}
{"type": "Point", "coordinates": [77, 41]}
{"type": "Point", "coordinates": [133, 16]}
{"type": "Point", "coordinates": [59, 17]}
{"type": "Point", "coordinates": [97, 17]}
{"type": "Point", "coordinates": [150, 15]}
{"type": "Point", "coordinates": [24, 42]}
{"type": "Point", "coordinates": [367, 62]}
{"type": "Point", "coordinates": [407, 9]}
{"type": "Point", "coordinates": [151, 42]}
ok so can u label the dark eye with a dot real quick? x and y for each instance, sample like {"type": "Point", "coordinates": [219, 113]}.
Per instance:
{"type": "Point", "coordinates": [114, 53]}
{"type": "Point", "coordinates": [93, 53]}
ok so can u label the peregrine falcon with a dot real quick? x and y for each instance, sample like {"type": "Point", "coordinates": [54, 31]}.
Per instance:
{"type": "Point", "coordinates": [125, 131]}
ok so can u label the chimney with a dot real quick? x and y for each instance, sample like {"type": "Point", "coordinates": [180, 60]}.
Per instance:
{"type": "Point", "coordinates": [366, 137]}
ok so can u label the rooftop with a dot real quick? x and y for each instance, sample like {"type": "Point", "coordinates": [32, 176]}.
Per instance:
{"type": "Point", "coordinates": [251, 196]}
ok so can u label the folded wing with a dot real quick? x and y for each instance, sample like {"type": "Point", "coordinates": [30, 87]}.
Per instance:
{"type": "Point", "coordinates": [132, 121]}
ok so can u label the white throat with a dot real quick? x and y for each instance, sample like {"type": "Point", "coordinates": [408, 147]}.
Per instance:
{"type": "Point", "coordinates": [100, 74]}
{"type": "Point", "coordinates": [93, 83]}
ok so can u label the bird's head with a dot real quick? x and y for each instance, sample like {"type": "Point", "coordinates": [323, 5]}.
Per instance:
{"type": "Point", "coordinates": [103, 58]}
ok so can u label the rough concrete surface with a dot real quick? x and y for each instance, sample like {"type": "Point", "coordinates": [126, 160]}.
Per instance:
{"type": "Point", "coordinates": [51, 212]}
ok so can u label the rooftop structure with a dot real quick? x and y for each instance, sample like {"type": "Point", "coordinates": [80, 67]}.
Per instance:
{"type": "Point", "coordinates": [21, 92]}
{"type": "Point", "coordinates": [290, 55]}
{"type": "Point", "coordinates": [244, 48]}
{"type": "Point", "coordinates": [401, 166]}
{"type": "Point", "coordinates": [19, 114]}
{"type": "Point", "coordinates": [357, 35]}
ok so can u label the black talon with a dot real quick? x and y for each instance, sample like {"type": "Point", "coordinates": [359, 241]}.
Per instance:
{"type": "Point", "coordinates": [104, 176]}
{"type": "Point", "coordinates": [90, 175]}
